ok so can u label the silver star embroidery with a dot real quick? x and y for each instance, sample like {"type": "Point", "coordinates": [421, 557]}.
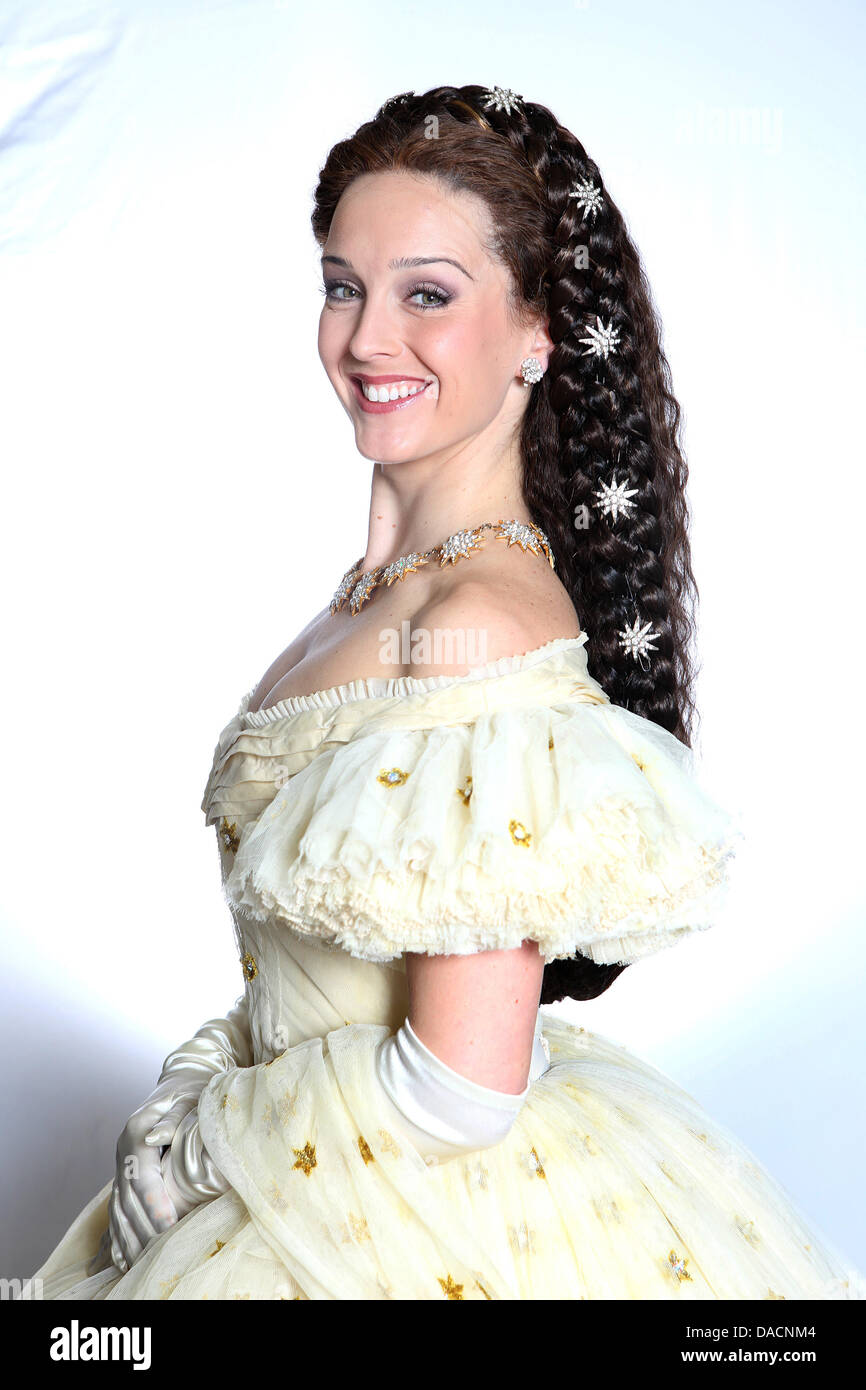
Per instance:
{"type": "Point", "coordinates": [522, 1239]}
{"type": "Point", "coordinates": [458, 545]}
{"type": "Point", "coordinates": [589, 198]}
{"type": "Point", "coordinates": [602, 341]}
{"type": "Point", "coordinates": [501, 99]}
{"type": "Point", "coordinates": [478, 1175]}
{"type": "Point", "coordinates": [614, 498]}
{"type": "Point", "coordinates": [638, 640]}
{"type": "Point", "coordinates": [678, 1265]}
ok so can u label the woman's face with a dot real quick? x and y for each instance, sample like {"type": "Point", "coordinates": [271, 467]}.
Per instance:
{"type": "Point", "coordinates": [441, 327]}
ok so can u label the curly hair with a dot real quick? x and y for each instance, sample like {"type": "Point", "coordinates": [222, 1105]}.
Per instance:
{"type": "Point", "coordinates": [591, 417]}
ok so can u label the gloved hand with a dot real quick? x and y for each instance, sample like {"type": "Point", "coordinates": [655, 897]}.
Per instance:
{"type": "Point", "coordinates": [188, 1171]}
{"type": "Point", "coordinates": [141, 1205]}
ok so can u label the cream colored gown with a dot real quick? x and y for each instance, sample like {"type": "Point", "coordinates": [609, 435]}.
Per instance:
{"type": "Point", "coordinates": [453, 814]}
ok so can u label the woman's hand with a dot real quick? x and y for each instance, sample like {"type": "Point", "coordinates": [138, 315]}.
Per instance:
{"type": "Point", "coordinates": [140, 1207]}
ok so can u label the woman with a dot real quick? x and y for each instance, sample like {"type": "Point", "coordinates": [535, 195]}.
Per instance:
{"type": "Point", "coordinates": [422, 841]}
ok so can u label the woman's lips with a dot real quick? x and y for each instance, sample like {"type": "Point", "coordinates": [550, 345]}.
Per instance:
{"type": "Point", "coordinates": [383, 407]}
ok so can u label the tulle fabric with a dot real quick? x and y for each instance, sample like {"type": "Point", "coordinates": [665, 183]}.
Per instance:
{"type": "Point", "coordinates": [613, 1183]}
{"type": "Point", "coordinates": [471, 815]}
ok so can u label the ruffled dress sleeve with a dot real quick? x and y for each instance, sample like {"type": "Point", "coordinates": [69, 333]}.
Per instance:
{"type": "Point", "coordinates": [458, 815]}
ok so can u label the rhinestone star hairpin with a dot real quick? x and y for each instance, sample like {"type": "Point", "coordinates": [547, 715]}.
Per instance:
{"type": "Point", "coordinates": [501, 99]}
{"type": "Point", "coordinates": [637, 639]}
{"type": "Point", "coordinates": [357, 588]}
{"type": "Point", "coordinates": [589, 198]}
{"type": "Point", "coordinates": [615, 498]}
{"type": "Point", "coordinates": [602, 340]}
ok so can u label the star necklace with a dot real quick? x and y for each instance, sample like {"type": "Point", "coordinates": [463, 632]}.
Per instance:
{"type": "Point", "coordinates": [356, 588]}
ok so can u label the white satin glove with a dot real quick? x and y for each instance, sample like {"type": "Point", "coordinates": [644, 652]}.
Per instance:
{"type": "Point", "coordinates": [141, 1204]}
{"type": "Point", "coordinates": [443, 1113]}
{"type": "Point", "coordinates": [188, 1171]}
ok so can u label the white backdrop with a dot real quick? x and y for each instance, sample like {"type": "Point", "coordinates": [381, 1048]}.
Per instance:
{"type": "Point", "coordinates": [159, 303]}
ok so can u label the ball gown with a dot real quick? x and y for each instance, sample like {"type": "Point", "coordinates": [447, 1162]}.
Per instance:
{"type": "Point", "coordinates": [456, 814]}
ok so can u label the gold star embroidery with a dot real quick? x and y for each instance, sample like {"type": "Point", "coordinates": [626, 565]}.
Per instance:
{"type": "Point", "coordinates": [306, 1158]}
{"type": "Point", "coordinates": [550, 741]}
{"type": "Point", "coordinates": [678, 1266]}
{"type": "Point", "coordinates": [220, 1246]}
{"type": "Point", "coordinates": [638, 762]}
{"type": "Point", "coordinates": [366, 1152]}
{"type": "Point", "coordinates": [389, 1143]}
{"type": "Point", "coordinates": [589, 1144]}
{"type": "Point", "coordinates": [355, 1229]}
{"type": "Point", "coordinates": [272, 1118]}
{"type": "Point", "coordinates": [519, 833]}
{"type": "Point", "coordinates": [772, 1294]}
{"type": "Point", "coordinates": [747, 1230]}
{"type": "Point", "coordinates": [533, 1163]}
{"type": "Point", "coordinates": [483, 1290]}
{"type": "Point", "coordinates": [229, 1102]}
{"type": "Point", "coordinates": [275, 1196]}
{"type": "Point", "coordinates": [392, 777]}
{"type": "Point", "coordinates": [228, 835]}
{"type": "Point", "coordinates": [606, 1209]}
{"type": "Point", "coordinates": [450, 1289]}
{"type": "Point", "coordinates": [169, 1285]}
{"type": "Point", "coordinates": [249, 967]}
{"type": "Point", "coordinates": [465, 791]}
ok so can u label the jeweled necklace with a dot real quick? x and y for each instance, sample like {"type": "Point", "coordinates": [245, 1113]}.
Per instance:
{"type": "Point", "coordinates": [357, 588]}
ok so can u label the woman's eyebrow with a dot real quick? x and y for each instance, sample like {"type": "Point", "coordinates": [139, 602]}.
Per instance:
{"type": "Point", "coordinates": [404, 262]}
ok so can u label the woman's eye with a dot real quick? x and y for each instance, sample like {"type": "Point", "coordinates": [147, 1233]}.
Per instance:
{"type": "Point", "coordinates": [428, 292]}
{"type": "Point", "coordinates": [331, 286]}
{"type": "Point", "coordinates": [432, 293]}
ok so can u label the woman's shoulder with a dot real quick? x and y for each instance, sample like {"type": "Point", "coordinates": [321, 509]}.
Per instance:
{"type": "Point", "coordinates": [492, 612]}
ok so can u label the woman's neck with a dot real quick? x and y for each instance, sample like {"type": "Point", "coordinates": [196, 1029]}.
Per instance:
{"type": "Point", "coordinates": [415, 505]}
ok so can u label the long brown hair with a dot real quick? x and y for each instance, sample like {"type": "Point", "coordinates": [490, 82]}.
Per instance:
{"type": "Point", "coordinates": [590, 416]}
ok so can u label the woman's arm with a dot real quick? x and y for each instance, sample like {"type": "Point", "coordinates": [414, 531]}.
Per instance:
{"type": "Point", "coordinates": [477, 1013]}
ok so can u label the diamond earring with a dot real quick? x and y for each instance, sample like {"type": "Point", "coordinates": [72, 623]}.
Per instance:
{"type": "Point", "coordinates": [531, 370]}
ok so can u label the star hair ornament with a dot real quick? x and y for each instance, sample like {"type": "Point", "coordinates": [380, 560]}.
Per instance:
{"type": "Point", "coordinates": [501, 99]}
{"type": "Point", "coordinates": [589, 198]}
{"type": "Point", "coordinates": [602, 340]}
{"type": "Point", "coordinates": [638, 639]}
{"type": "Point", "coordinates": [615, 497]}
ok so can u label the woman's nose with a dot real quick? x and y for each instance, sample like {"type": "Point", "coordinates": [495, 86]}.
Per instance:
{"type": "Point", "coordinates": [375, 331]}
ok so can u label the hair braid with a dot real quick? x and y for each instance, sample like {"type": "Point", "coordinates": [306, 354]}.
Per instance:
{"type": "Point", "coordinates": [591, 416]}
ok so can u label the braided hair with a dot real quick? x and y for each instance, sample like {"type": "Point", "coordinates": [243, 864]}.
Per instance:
{"type": "Point", "coordinates": [591, 417]}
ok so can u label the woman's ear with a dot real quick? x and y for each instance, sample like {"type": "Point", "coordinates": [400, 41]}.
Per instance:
{"type": "Point", "coordinates": [542, 344]}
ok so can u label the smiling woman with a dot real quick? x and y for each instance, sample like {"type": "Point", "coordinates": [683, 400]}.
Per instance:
{"type": "Point", "coordinates": [418, 856]}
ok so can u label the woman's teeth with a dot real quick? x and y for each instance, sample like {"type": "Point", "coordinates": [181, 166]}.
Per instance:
{"type": "Point", "coordinates": [393, 391]}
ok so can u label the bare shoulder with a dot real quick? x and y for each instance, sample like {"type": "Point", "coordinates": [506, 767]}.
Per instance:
{"type": "Point", "coordinates": [504, 605]}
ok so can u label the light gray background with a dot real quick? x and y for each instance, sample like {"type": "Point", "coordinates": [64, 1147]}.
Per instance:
{"type": "Point", "coordinates": [184, 492]}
